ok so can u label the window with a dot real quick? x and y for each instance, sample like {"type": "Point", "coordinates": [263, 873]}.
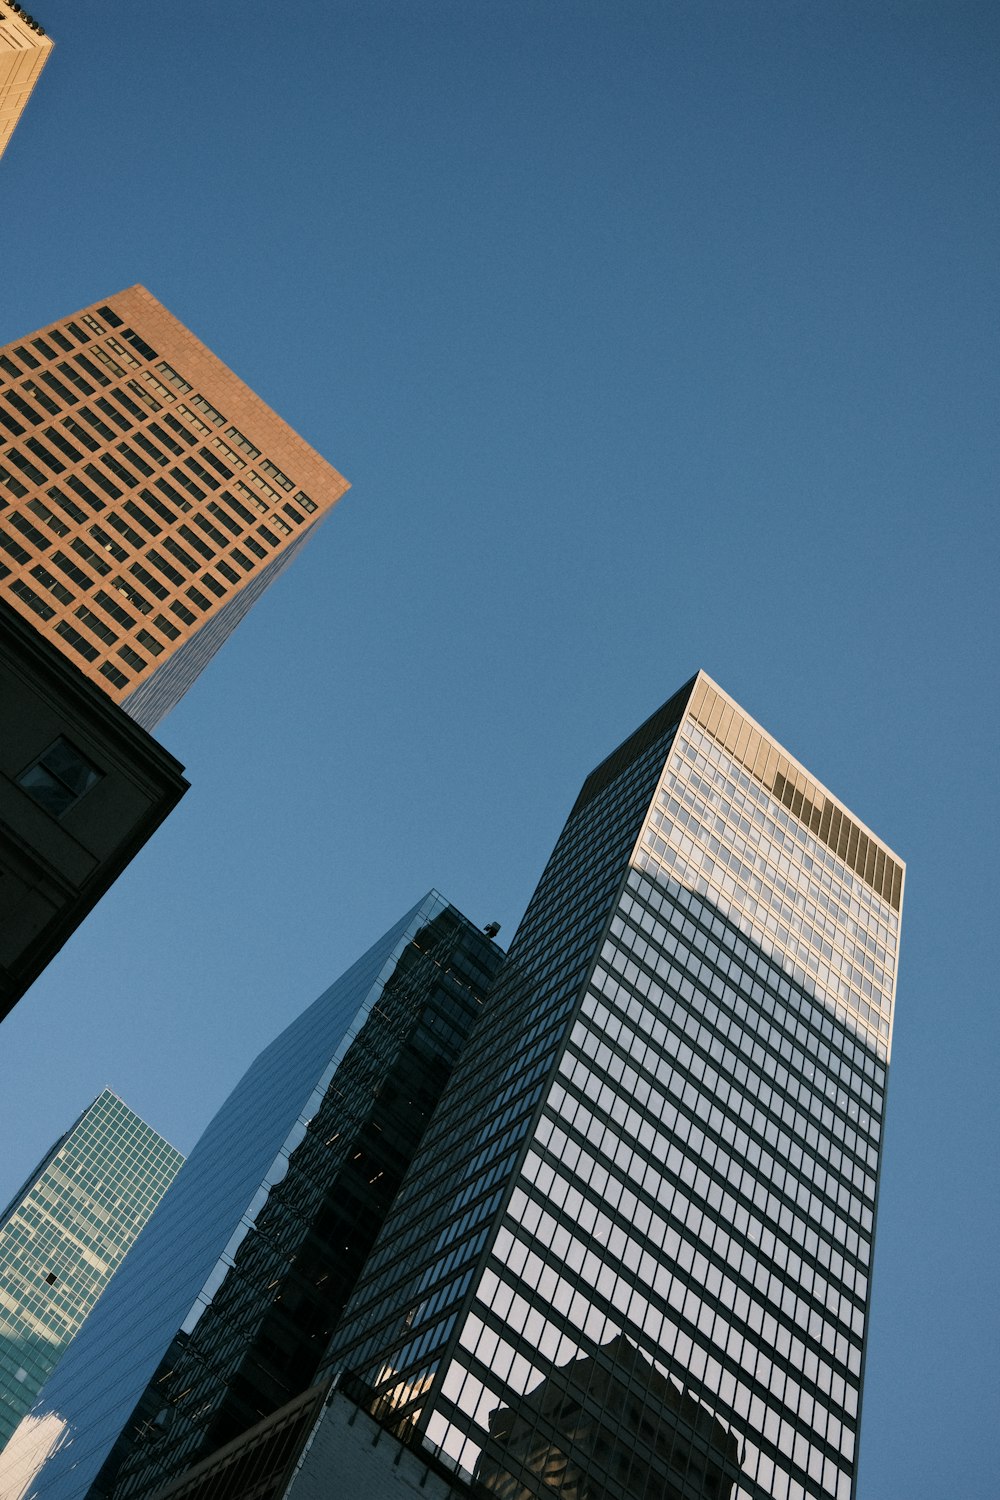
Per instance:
{"type": "Point", "coordinates": [71, 375]}
{"type": "Point", "coordinates": [169, 373]}
{"type": "Point", "coordinates": [61, 391]}
{"type": "Point", "coordinates": [108, 362]}
{"type": "Point", "coordinates": [26, 467]}
{"type": "Point", "coordinates": [123, 354]}
{"type": "Point", "coordinates": [217, 463]}
{"type": "Point", "coordinates": [99, 427]}
{"type": "Point", "coordinates": [196, 422]}
{"type": "Point", "coordinates": [114, 610]}
{"type": "Point", "coordinates": [132, 658]}
{"type": "Point", "coordinates": [25, 527]}
{"type": "Point", "coordinates": [97, 562]}
{"type": "Point", "coordinates": [150, 448]}
{"type": "Point", "coordinates": [243, 443]}
{"type": "Point", "coordinates": [19, 404]}
{"type": "Point", "coordinates": [164, 625]}
{"type": "Point", "coordinates": [207, 410]}
{"type": "Point", "coordinates": [101, 480]}
{"type": "Point", "coordinates": [52, 522]}
{"type": "Point", "coordinates": [177, 551]}
{"type": "Point", "coordinates": [65, 503]}
{"type": "Point", "coordinates": [273, 472]}
{"type": "Point", "coordinates": [182, 612]}
{"type": "Point", "coordinates": [158, 506]}
{"type": "Point", "coordinates": [84, 491]}
{"type": "Point", "coordinates": [147, 639]}
{"type": "Point", "coordinates": [138, 343]}
{"type": "Point", "coordinates": [82, 436]}
{"type": "Point", "coordinates": [55, 436]}
{"type": "Point", "coordinates": [31, 599]}
{"type": "Point", "coordinates": [108, 543]}
{"type": "Point", "coordinates": [136, 460]}
{"type": "Point", "coordinates": [15, 486]}
{"type": "Point", "coordinates": [41, 452]}
{"type": "Point", "coordinates": [89, 368]}
{"type": "Point", "coordinates": [139, 600]}
{"type": "Point", "coordinates": [45, 402]}
{"type": "Point", "coordinates": [96, 624]}
{"type": "Point", "coordinates": [17, 552]}
{"type": "Point", "coordinates": [11, 423]}
{"type": "Point", "coordinates": [112, 411]}
{"type": "Point", "coordinates": [153, 584]}
{"type": "Point", "coordinates": [113, 675]}
{"type": "Point", "coordinates": [176, 426]}
{"type": "Point", "coordinates": [59, 777]}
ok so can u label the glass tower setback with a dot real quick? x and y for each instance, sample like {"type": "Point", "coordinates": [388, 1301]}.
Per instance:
{"type": "Point", "coordinates": [233, 1227]}
{"type": "Point", "coordinates": [632, 1255]}
{"type": "Point", "coordinates": [63, 1236]}
{"type": "Point", "coordinates": [260, 1341]}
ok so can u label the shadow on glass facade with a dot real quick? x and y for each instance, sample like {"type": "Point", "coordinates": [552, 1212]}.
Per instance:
{"type": "Point", "coordinates": [608, 1427]}
{"type": "Point", "coordinates": [663, 1138]}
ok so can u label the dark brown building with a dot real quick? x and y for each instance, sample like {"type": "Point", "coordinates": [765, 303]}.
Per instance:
{"type": "Point", "coordinates": [82, 787]}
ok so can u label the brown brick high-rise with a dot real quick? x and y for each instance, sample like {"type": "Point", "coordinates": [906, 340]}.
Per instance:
{"type": "Point", "coordinates": [147, 496]}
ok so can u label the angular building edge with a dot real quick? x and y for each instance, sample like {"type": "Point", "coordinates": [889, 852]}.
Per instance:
{"type": "Point", "coordinates": [44, 859]}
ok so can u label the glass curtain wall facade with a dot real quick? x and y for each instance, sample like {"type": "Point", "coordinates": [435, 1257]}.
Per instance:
{"type": "Point", "coordinates": [63, 1236]}
{"type": "Point", "coordinates": [231, 1214]}
{"type": "Point", "coordinates": [260, 1341]}
{"type": "Point", "coordinates": [632, 1256]}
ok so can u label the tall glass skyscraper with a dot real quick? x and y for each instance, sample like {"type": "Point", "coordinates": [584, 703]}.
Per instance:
{"type": "Point", "coordinates": [244, 1268]}
{"type": "Point", "coordinates": [632, 1256]}
{"type": "Point", "coordinates": [64, 1234]}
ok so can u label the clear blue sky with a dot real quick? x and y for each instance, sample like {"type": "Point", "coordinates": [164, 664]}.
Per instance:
{"type": "Point", "coordinates": [651, 336]}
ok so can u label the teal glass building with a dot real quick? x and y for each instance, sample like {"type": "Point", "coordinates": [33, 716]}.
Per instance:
{"type": "Point", "coordinates": [63, 1236]}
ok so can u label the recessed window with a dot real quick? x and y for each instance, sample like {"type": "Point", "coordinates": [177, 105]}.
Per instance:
{"type": "Point", "coordinates": [59, 777]}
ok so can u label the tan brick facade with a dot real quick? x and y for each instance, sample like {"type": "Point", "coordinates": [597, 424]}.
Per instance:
{"type": "Point", "coordinates": [24, 51]}
{"type": "Point", "coordinates": [145, 491]}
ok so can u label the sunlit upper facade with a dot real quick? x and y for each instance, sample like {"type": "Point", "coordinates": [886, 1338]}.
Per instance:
{"type": "Point", "coordinates": [147, 496]}
{"type": "Point", "coordinates": [24, 51]}
{"type": "Point", "coordinates": [634, 1250]}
